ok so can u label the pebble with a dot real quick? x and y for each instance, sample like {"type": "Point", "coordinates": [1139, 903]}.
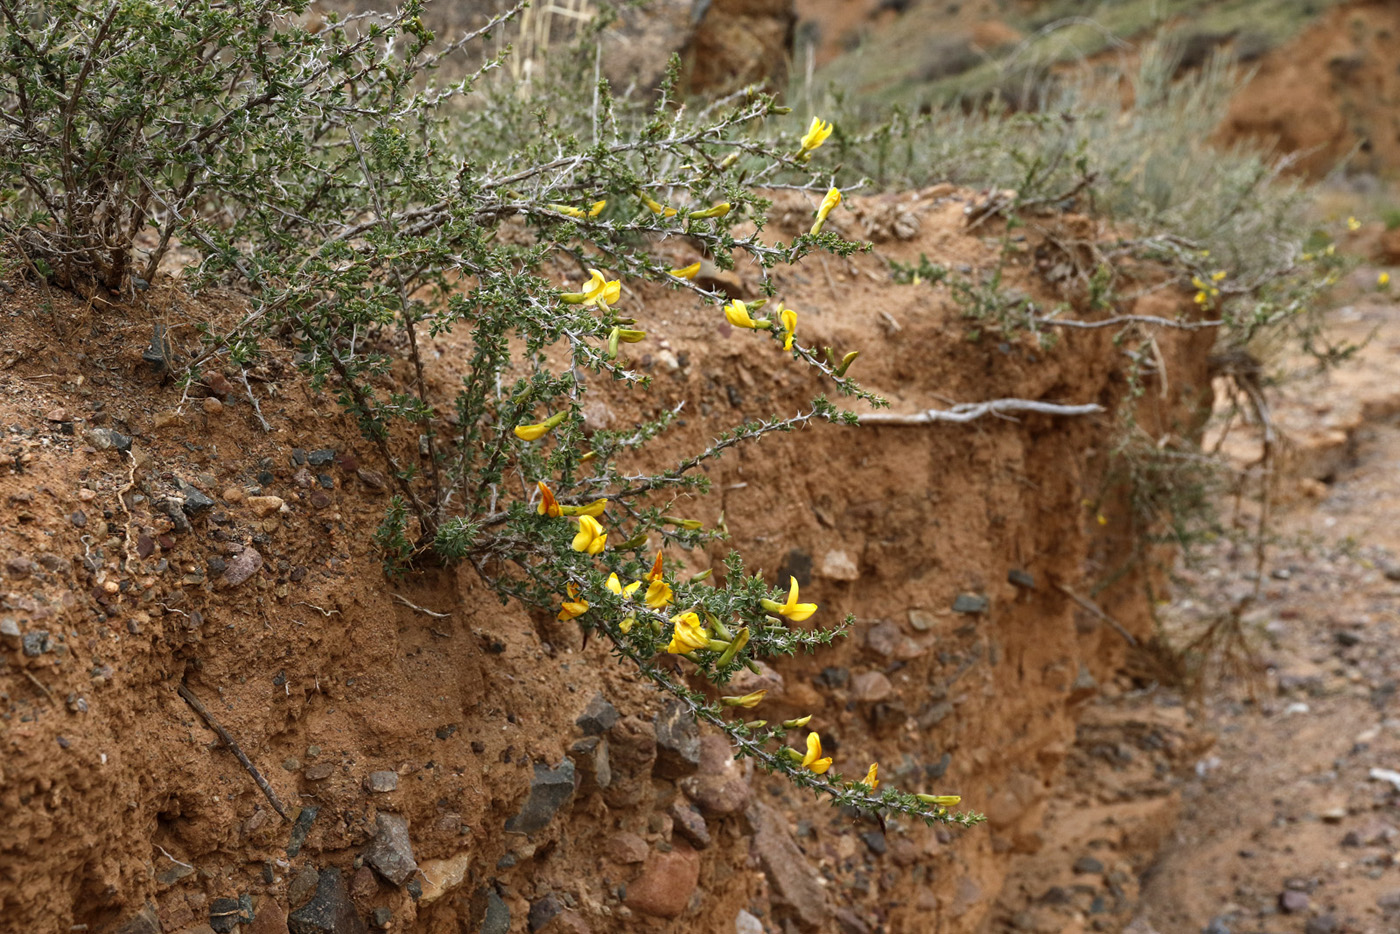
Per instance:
{"type": "Point", "coordinates": [329, 911]}
{"type": "Point", "coordinates": [718, 788]}
{"type": "Point", "coordinates": [875, 842]}
{"type": "Point", "coordinates": [1023, 579]}
{"type": "Point", "coordinates": [1088, 866]}
{"type": "Point", "coordinates": [838, 565]}
{"type": "Point", "coordinates": [971, 603]}
{"type": "Point", "coordinates": [382, 782]}
{"type": "Point", "coordinates": [265, 506]}
{"type": "Point", "coordinates": [35, 643]}
{"type": "Point", "coordinates": [211, 406]}
{"type": "Point", "coordinates": [300, 828]}
{"type": "Point", "coordinates": [664, 888]}
{"type": "Point", "coordinates": [745, 923]}
{"type": "Point", "coordinates": [391, 852]}
{"type": "Point", "coordinates": [195, 498]}
{"type": "Point", "coordinates": [1322, 924]}
{"type": "Point", "coordinates": [922, 620]}
{"type": "Point", "coordinates": [233, 494]}
{"type": "Point", "coordinates": [871, 686]}
{"type": "Point", "coordinates": [243, 566]}
{"type": "Point", "coordinates": [383, 917]}
{"type": "Point", "coordinates": [58, 415]}
{"type": "Point", "coordinates": [627, 848]}
{"type": "Point", "coordinates": [598, 717]}
{"type": "Point", "coordinates": [543, 911]}
{"type": "Point", "coordinates": [223, 915]}
{"type": "Point", "coordinates": [677, 741]}
{"type": "Point", "coordinates": [320, 458]}
{"type": "Point", "coordinates": [1293, 902]}
{"type": "Point", "coordinates": [690, 825]}
{"type": "Point", "coordinates": [105, 439]}
{"type": "Point", "coordinates": [496, 919]}
{"type": "Point", "coordinates": [550, 790]}
{"type": "Point", "coordinates": [791, 877]}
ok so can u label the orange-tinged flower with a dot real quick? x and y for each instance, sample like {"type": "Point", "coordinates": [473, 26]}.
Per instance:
{"type": "Point", "coordinates": [871, 778]}
{"type": "Point", "coordinates": [655, 573]}
{"type": "Point", "coordinates": [548, 506]}
{"type": "Point", "coordinates": [688, 634]}
{"type": "Point", "coordinates": [789, 319]}
{"type": "Point", "coordinates": [573, 606]}
{"type": "Point", "coordinates": [814, 760]}
{"type": "Point", "coordinates": [797, 612]}
{"type": "Point", "coordinates": [832, 199]}
{"type": "Point", "coordinates": [591, 537]}
{"type": "Point", "coordinates": [687, 272]}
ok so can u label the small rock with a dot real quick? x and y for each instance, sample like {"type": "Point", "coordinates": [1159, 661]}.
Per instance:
{"type": "Point", "coordinates": [243, 566]}
{"type": "Point", "coordinates": [690, 825]}
{"type": "Point", "coordinates": [627, 848]}
{"type": "Point", "coordinates": [373, 479]}
{"type": "Point", "coordinates": [35, 643]}
{"type": "Point", "coordinates": [495, 919]}
{"type": "Point", "coordinates": [886, 640]}
{"type": "Point", "coordinates": [542, 911]}
{"type": "Point", "coordinates": [598, 717]}
{"type": "Point", "coordinates": [105, 439]}
{"type": "Point", "coordinates": [20, 566]}
{"type": "Point", "coordinates": [265, 506]}
{"type": "Point", "coordinates": [223, 915]}
{"type": "Point", "coordinates": [329, 911]}
{"type": "Point", "coordinates": [718, 787]}
{"type": "Point", "coordinates": [234, 494]}
{"type": "Point", "coordinates": [1023, 579]}
{"type": "Point", "coordinates": [838, 565]}
{"type": "Point", "coordinates": [875, 842]}
{"type": "Point", "coordinates": [320, 771]}
{"type": "Point", "coordinates": [57, 415]}
{"type": "Point", "coordinates": [971, 603]}
{"type": "Point", "coordinates": [590, 754]}
{"type": "Point", "coordinates": [78, 518]}
{"type": "Point", "coordinates": [363, 885]}
{"type": "Point", "coordinates": [145, 546]}
{"type": "Point", "coordinates": [211, 406]}
{"type": "Point", "coordinates": [9, 628]}
{"type": "Point", "coordinates": [174, 874]}
{"type": "Point", "coordinates": [792, 879]}
{"type": "Point", "coordinates": [146, 921]}
{"type": "Point", "coordinates": [550, 790]}
{"type": "Point", "coordinates": [383, 917]}
{"type": "Point", "coordinates": [1389, 903]}
{"type": "Point", "coordinates": [1322, 924]}
{"type": "Point", "coordinates": [664, 888]}
{"type": "Point", "coordinates": [382, 782]}
{"type": "Point", "coordinates": [320, 458]}
{"type": "Point", "coordinates": [631, 755]}
{"type": "Point", "coordinates": [195, 499]}
{"type": "Point", "coordinates": [871, 686]}
{"type": "Point", "coordinates": [850, 922]}
{"type": "Point", "coordinates": [677, 741]}
{"type": "Point", "coordinates": [391, 853]}
{"type": "Point", "coordinates": [164, 420]}
{"type": "Point", "coordinates": [270, 919]}
{"type": "Point", "coordinates": [443, 875]}
{"type": "Point", "coordinates": [300, 828]}
{"type": "Point", "coordinates": [745, 923]}
{"type": "Point", "coordinates": [922, 620]}
{"type": "Point", "coordinates": [1088, 866]}
{"type": "Point", "coordinates": [1293, 902]}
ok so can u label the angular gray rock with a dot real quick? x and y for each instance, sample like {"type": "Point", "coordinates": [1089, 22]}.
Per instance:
{"type": "Point", "coordinates": [598, 717]}
{"type": "Point", "coordinates": [330, 910]}
{"type": "Point", "coordinates": [795, 884]}
{"type": "Point", "coordinates": [549, 791]}
{"type": "Point", "coordinates": [390, 853]}
{"type": "Point", "coordinates": [677, 742]}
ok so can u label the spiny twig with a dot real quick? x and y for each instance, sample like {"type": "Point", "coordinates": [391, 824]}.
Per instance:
{"type": "Point", "coordinates": [968, 411]}
{"type": "Point", "coordinates": [198, 707]}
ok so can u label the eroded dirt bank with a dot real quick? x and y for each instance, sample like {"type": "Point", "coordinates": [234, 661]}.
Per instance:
{"type": "Point", "coordinates": [533, 783]}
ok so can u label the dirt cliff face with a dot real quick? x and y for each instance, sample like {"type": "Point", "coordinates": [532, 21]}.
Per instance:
{"type": "Point", "coordinates": [450, 763]}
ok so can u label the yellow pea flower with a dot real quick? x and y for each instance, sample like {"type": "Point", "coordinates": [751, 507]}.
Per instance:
{"type": "Point", "coordinates": [590, 538]}
{"type": "Point", "coordinates": [594, 509]}
{"type": "Point", "coordinates": [1218, 275]}
{"type": "Point", "coordinates": [688, 634]}
{"type": "Point", "coordinates": [536, 432]}
{"type": "Point", "coordinates": [814, 760]}
{"type": "Point", "coordinates": [871, 778]}
{"type": "Point", "coordinates": [800, 721]}
{"type": "Point", "coordinates": [718, 210]}
{"type": "Point", "coordinates": [789, 319]}
{"type": "Point", "coordinates": [943, 801]}
{"type": "Point", "coordinates": [1353, 224]}
{"type": "Point", "coordinates": [815, 136]}
{"type": "Point", "coordinates": [576, 213]}
{"type": "Point", "coordinates": [616, 587]}
{"type": "Point", "coordinates": [659, 594]}
{"type": "Point", "coordinates": [656, 568]}
{"type": "Point", "coordinates": [749, 701]}
{"type": "Point", "coordinates": [797, 612]}
{"type": "Point", "coordinates": [596, 208]}
{"type": "Point", "coordinates": [598, 289]}
{"type": "Point", "coordinates": [1383, 280]}
{"type": "Point", "coordinates": [548, 506]}
{"type": "Point", "coordinates": [573, 606]}
{"type": "Point", "coordinates": [737, 313]}
{"type": "Point", "coordinates": [832, 199]}
{"type": "Point", "coordinates": [655, 206]}
{"type": "Point", "coordinates": [687, 272]}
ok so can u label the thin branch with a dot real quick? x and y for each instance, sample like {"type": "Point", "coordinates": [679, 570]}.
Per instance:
{"type": "Point", "coordinates": [1097, 611]}
{"type": "Point", "coordinates": [969, 411]}
{"type": "Point", "coordinates": [223, 734]}
{"type": "Point", "coordinates": [413, 606]}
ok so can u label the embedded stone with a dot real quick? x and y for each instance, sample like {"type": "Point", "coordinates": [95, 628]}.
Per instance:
{"type": "Point", "coordinates": [391, 853]}
{"type": "Point", "coordinates": [677, 741]}
{"type": "Point", "coordinates": [329, 911]}
{"type": "Point", "coordinates": [550, 790]}
{"type": "Point", "coordinates": [598, 717]}
{"type": "Point", "coordinates": [664, 888]}
{"type": "Point", "coordinates": [971, 603]}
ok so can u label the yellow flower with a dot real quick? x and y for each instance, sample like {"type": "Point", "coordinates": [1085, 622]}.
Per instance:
{"type": "Point", "coordinates": [616, 587]}
{"type": "Point", "coordinates": [656, 568]}
{"type": "Point", "coordinates": [833, 198]}
{"type": "Point", "coordinates": [594, 509]}
{"type": "Point", "coordinates": [1353, 224]}
{"type": "Point", "coordinates": [688, 634]}
{"type": "Point", "coordinates": [659, 594]}
{"type": "Point", "coordinates": [596, 208]}
{"type": "Point", "coordinates": [596, 290]}
{"type": "Point", "coordinates": [737, 313]}
{"type": "Point", "coordinates": [687, 272]}
{"type": "Point", "coordinates": [576, 213]}
{"type": "Point", "coordinates": [748, 700]}
{"type": "Point", "coordinates": [718, 210]}
{"type": "Point", "coordinates": [536, 432]}
{"type": "Point", "coordinates": [548, 506]}
{"type": "Point", "coordinates": [655, 206]}
{"type": "Point", "coordinates": [943, 801]}
{"type": "Point", "coordinates": [813, 760]}
{"type": "Point", "coordinates": [573, 606]}
{"type": "Point", "coordinates": [591, 537]}
{"type": "Point", "coordinates": [789, 319]}
{"type": "Point", "coordinates": [797, 612]}
{"type": "Point", "coordinates": [1383, 279]}
{"type": "Point", "coordinates": [816, 135]}
{"type": "Point", "coordinates": [870, 776]}
{"type": "Point", "coordinates": [800, 721]}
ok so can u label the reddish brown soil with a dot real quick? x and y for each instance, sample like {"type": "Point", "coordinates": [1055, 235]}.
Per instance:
{"type": "Point", "coordinates": [110, 784]}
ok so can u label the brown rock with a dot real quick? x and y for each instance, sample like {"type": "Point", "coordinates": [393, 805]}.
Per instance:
{"type": "Point", "coordinates": [566, 922]}
{"type": "Point", "coordinates": [265, 505]}
{"type": "Point", "coordinates": [795, 884]}
{"type": "Point", "coordinates": [690, 825]}
{"type": "Point", "coordinates": [666, 884]}
{"type": "Point", "coordinates": [871, 686]}
{"type": "Point", "coordinates": [631, 754]}
{"type": "Point", "coordinates": [271, 918]}
{"type": "Point", "coordinates": [242, 566]}
{"type": "Point", "coordinates": [58, 415]}
{"type": "Point", "coordinates": [740, 42]}
{"type": "Point", "coordinates": [838, 565]}
{"type": "Point", "coordinates": [718, 788]}
{"type": "Point", "coordinates": [211, 406]}
{"type": "Point", "coordinates": [363, 885]}
{"type": "Point", "coordinates": [627, 848]}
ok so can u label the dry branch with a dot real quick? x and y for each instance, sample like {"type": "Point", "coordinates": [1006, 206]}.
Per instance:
{"type": "Point", "coordinates": [198, 707]}
{"type": "Point", "coordinates": [969, 411]}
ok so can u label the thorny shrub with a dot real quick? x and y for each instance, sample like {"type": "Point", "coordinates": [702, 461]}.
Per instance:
{"type": "Point", "coordinates": [361, 205]}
